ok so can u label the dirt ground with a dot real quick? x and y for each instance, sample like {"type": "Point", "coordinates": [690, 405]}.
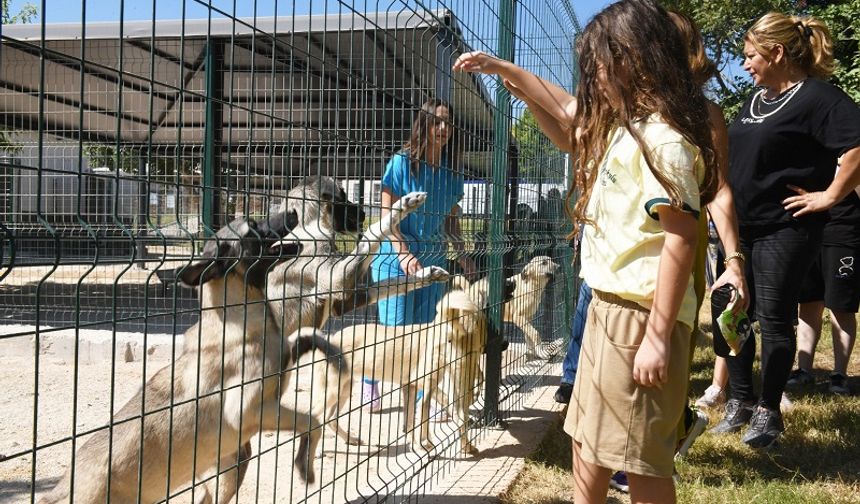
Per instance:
{"type": "Point", "coordinates": [344, 473]}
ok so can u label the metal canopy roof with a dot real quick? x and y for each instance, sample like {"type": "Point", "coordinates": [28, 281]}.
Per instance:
{"type": "Point", "coordinates": [286, 91]}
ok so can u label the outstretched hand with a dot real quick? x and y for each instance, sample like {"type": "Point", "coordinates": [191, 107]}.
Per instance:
{"type": "Point", "coordinates": [478, 62]}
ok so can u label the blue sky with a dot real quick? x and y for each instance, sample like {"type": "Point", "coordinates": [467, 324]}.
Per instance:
{"type": "Point", "coordinates": [58, 11]}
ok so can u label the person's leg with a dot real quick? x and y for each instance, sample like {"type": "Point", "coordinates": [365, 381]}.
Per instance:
{"type": "Point", "coordinates": [741, 395]}
{"type": "Point", "coordinates": [721, 373]}
{"type": "Point", "coordinates": [809, 313]}
{"type": "Point", "coordinates": [842, 298]}
{"type": "Point", "coordinates": [843, 328]}
{"type": "Point", "coordinates": [651, 489]}
{"type": "Point", "coordinates": [590, 482]}
{"type": "Point", "coordinates": [715, 394]}
{"type": "Point", "coordinates": [782, 259]}
{"type": "Point", "coordinates": [571, 359]}
{"type": "Point", "coordinates": [740, 366]}
{"type": "Point", "coordinates": [808, 331]}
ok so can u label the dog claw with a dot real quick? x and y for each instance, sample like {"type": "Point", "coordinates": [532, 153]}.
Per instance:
{"type": "Point", "coordinates": [407, 204]}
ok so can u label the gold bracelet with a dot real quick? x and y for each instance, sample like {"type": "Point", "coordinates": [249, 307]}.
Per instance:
{"type": "Point", "coordinates": [734, 255]}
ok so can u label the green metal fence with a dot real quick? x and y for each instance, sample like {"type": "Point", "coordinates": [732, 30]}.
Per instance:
{"type": "Point", "coordinates": [126, 144]}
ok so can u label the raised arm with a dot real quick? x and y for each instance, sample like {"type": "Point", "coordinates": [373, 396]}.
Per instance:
{"type": "Point", "coordinates": [554, 108]}
{"type": "Point", "coordinates": [408, 262]}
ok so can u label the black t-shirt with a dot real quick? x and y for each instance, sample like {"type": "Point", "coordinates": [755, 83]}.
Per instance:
{"type": "Point", "coordinates": [794, 139]}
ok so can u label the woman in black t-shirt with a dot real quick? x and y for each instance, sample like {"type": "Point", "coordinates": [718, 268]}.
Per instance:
{"type": "Point", "coordinates": [783, 147]}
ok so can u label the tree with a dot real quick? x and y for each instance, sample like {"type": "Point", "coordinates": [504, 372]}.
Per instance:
{"type": "Point", "coordinates": [724, 23]}
{"type": "Point", "coordinates": [538, 157]}
{"type": "Point", "coordinates": [25, 15]}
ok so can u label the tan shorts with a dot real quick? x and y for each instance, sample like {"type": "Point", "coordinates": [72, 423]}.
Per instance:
{"type": "Point", "coordinates": [619, 424]}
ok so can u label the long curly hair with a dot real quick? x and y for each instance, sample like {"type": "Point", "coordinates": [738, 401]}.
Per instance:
{"type": "Point", "coordinates": [646, 64]}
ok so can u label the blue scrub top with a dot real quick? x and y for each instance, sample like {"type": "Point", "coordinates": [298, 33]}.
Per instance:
{"type": "Point", "coordinates": [422, 229]}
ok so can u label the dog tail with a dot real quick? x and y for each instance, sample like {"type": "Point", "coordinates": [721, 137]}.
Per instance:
{"type": "Point", "coordinates": [308, 339]}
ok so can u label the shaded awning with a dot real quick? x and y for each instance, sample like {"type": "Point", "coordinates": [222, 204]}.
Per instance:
{"type": "Point", "coordinates": [283, 93]}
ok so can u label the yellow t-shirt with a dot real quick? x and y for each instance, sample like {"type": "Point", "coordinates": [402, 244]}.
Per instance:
{"type": "Point", "coordinates": [621, 253]}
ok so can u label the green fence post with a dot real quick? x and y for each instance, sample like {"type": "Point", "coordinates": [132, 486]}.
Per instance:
{"type": "Point", "coordinates": [502, 125]}
{"type": "Point", "coordinates": [212, 136]}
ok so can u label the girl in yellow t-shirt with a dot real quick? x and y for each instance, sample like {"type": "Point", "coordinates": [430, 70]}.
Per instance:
{"type": "Point", "coordinates": [645, 166]}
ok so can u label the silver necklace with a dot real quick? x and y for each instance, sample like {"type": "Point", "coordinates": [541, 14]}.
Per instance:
{"type": "Point", "coordinates": [778, 99]}
{"type": "Point", "coordinates": [759, 98]}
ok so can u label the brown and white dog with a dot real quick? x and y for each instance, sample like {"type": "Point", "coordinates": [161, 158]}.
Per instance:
{"type": "Point", "coordinates": [197, 415]}
{"type": "Point", "coordinates": [320, 281]}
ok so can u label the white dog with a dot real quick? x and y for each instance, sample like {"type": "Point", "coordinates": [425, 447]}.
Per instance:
{"type": "Point", "coordinates": [417, 357]}
{"type": "Point", "coordinates": [520, 310]}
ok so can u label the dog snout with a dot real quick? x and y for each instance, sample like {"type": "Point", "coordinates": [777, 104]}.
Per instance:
{"type": "Point", "coordinates": [286, 248]}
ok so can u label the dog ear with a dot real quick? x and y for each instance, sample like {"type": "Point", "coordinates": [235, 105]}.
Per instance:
{"type": "Point", "coordinates": [200, 272]}
{"type": "Point", "coordinates": [510, 287]}
{"type": "Point", "coordinates": [220, 249]}
{"type": "Point", "coordinates": [280, 224]}
{"type": "Point", "coordinates": [526, 273]}
{"type": "Point", "coordinates": [459, 282]}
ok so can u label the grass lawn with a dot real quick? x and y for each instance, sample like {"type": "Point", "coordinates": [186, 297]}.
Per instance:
{"type": "Point", "coordinates": [817, 460]}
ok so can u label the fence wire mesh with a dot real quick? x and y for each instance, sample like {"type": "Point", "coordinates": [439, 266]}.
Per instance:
{"type": "Point", "coordinates": [138, 152]}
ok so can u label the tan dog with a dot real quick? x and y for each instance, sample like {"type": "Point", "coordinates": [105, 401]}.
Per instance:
{"type": "Point", "coordinates": [211, 400]}
{"type": "Point", "coordinates": [418, 357]}
{"type": "Point", "coordinates": [306, 290]}
{"type": "Point", "coordinates": [520, 310]}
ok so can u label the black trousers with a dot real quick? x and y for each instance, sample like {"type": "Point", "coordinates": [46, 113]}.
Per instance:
{"type": "Point", "coordinates": [778, 258]}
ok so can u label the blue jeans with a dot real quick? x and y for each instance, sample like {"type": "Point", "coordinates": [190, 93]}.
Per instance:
{"type": "Point", "coordinates": [571, 359]}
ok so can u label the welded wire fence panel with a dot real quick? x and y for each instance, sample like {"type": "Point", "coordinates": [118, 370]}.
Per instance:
{"type": "Point", "coordinates": [187, 184]}
{"type": "Point", "coordinates": [538, 319]}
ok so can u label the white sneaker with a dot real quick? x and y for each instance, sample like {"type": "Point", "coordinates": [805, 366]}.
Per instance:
{"type": "Point", "coordinates": [693, 432]}
{"type": "Point", "coordinates": [785, 404]}
{"type": "Point", "coordinates": [713, 397]}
